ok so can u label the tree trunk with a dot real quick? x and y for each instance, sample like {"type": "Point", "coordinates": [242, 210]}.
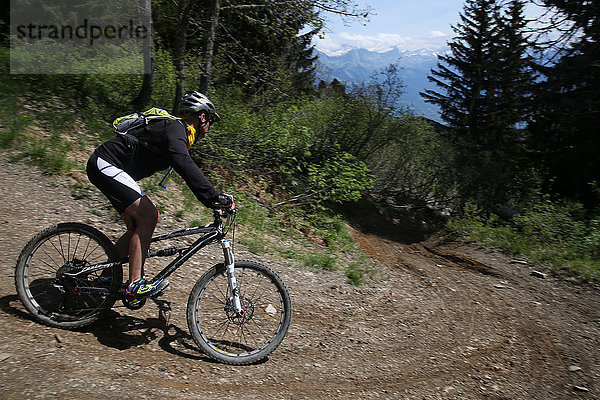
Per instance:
{"type": "Point", "coordinates": [148, 83]}
{"type": "Point", "coordinates": [180, 78]}
{"type": "Point", "coordinates": [205, 80]}
{"type": "Point", "coordinates": [179, 49]}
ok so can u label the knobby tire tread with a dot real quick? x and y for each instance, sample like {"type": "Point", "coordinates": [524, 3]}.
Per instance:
{"type": "Point", "coordinates": [275, 341]}
{"type": "Point", "coordinates": [33, 245]}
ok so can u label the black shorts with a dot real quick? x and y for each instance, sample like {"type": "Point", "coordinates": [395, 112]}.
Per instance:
{"type": "Point", "coordinates": [120, 188]}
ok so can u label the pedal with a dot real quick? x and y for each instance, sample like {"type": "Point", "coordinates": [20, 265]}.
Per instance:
{"type": "Point", "coordinates": [134, 304]}
{"type": "Point", "coordinates": [164, 309]}
{"type": "Point", "coordinates": [130, 301]}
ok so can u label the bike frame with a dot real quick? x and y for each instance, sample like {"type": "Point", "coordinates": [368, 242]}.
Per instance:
{"type": "Point", "coordinates": [211, 233]}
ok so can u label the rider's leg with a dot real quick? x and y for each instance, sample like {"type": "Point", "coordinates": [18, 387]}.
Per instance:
{"type": "Point", "coordinates": [145, 215]}
{"type": "Point", "coordinates": [122, 244]}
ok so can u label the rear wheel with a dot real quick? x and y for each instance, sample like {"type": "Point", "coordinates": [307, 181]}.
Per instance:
{"type": "Point", "coordinates": [227, 336]}
{"type": "Point", "coordinates": [56, 299]}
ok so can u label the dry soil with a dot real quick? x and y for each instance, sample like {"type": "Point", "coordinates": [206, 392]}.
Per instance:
{"type": "Point", "coordinates": [439, 320]}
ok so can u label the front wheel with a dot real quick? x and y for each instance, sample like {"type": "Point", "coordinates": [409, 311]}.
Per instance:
{"type": "Point", "coordinates": [55, 298]}
{"type": "Point", "coordinates": [227, 336]}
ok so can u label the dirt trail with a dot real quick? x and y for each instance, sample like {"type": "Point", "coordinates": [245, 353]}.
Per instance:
{"type": "Point", "coordinates": [439, 321]}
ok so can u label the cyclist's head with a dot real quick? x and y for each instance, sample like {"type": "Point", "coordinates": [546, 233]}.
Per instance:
{"type": "Point", "coordinates": [196, 103]}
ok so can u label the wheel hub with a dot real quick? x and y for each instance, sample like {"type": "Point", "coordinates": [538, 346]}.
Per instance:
{"type": "Point", "coordinates": [245, 316]}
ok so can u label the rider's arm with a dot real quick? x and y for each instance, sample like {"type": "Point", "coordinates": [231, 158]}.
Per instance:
{"type": "Point", "coordinates": [182, 163]}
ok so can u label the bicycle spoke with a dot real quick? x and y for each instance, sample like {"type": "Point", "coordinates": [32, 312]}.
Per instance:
{"type": "Point", "coordinates": [69, 247]}
{"type": "Point", "coordinates": [239, 338]}
{"type": "Point", "coordinates": [44, 272]}
{"type": "Point", "coordinates": [62, 251]}
{"type": "Point", "coordinates": [96, 258]}
{"type": "Point", "coordinates": [77, 244]}
{"type": "Point", "coordinates": [58, 299]}
{"type": "Point", "coordinates": [35, 284]}
{"type": "Point", "coordinates": [49, 256]}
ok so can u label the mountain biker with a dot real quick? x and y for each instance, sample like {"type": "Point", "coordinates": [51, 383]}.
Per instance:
{"type": "Point", "coordinates": [116, 165]}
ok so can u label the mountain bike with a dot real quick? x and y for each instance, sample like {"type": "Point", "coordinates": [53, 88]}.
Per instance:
{"type": "Point", "coordinates": [238, 312]}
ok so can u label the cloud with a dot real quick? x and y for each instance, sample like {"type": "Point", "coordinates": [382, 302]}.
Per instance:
{"type": "Point", "coordinates": [341, 42]}
{"type": "Point", "coordinates": [436, 34]}
{"type": "Point", "coordinates": [380, 42]}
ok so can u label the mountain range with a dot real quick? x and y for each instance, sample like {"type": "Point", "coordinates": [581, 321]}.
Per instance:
{"type": "Point", "coordinates": [358, 65]}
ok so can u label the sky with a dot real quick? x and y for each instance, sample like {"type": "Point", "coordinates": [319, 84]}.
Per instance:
{"type": "Point", "coordinates": [407, 24]}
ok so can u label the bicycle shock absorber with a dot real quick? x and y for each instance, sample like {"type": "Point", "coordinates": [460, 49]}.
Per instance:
{"type": "Point", "coordinates": [229, 265]}
{"type": "Point", "coordinates": [164, 252]}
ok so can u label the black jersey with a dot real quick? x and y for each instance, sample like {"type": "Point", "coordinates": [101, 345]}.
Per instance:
{"type": "Point", "coordinates": [163, 143]}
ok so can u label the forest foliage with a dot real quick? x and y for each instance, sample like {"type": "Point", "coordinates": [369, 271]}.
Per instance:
{"type": "Point", "coordinates": [520, 106]}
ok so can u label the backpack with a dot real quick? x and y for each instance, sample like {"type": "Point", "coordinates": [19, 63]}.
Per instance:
{"type": "Point", "coordinates": [133, 121]}
{"type": "Point", "coordinates": [126, 123]}
{"type": "Point", "coordinates": [123, 125]}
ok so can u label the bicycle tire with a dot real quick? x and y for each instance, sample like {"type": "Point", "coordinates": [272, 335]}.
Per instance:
{"type": "Point", "coordinates": [224, 336]}
{"type": "Point", "coordinates": [42, 288]}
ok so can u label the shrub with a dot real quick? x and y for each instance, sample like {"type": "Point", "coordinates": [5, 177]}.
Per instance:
{"type": "Point", "coordinates": [553, 226]}
{"type": "Point", "coordinates": [592, 238]}
{"type": "Point", "coordinates": [551, 233]}
{"type": "Point", "coordinates": [321, 262]}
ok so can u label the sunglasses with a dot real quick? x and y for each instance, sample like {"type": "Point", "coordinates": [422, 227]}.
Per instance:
{"type": "Point", "coordinates": [212, 118]}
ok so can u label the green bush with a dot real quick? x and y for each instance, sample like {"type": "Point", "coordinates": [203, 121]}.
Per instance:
{"type": "Point", "coordinates": [592, 238]}
{"type": "Point", "coordinates": [357, 270]}
{"type": "Point", "coordinates": [553, 225]}
{"type": "Point", "coordinates": [550, 233]}
{"type": "Point", "coordinates": [321, 262]}
{"type": "Point", "coordinates": [278, 140]}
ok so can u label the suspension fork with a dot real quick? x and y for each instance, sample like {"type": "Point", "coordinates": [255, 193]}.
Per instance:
{"type": "Point", "coordinates": [229, 265]}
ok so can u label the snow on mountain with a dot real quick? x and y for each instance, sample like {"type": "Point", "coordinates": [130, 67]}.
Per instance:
{"type": "Point", "coordinates": [358, 65]}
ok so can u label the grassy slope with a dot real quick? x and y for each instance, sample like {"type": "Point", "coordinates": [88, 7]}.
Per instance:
{"type": "Point", "coordinates": [39, 126]}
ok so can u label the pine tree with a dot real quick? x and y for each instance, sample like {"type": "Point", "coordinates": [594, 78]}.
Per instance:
{"type": "Point", "coordinates": [464, 76]}
{"type": "Point", "coordinates": [485, 83]}
{"type": "Point", "coordinates": [515, 75]}
{"type": "Point", "coordinates": [463, 73]}
{"type": "Point", "coordinates": [514, 80]}
{"type": "Point", "coordinates": [568, 119]}
{"type": "Point", "coordinates": [262, 48]}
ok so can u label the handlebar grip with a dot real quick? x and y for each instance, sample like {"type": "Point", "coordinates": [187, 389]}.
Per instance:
{"type": "Point", "coordinates": [225, 200]}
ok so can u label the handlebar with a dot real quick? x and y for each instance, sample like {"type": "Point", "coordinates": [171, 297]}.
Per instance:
{"type": "Point", "coordinates": [229, 215]}
{"type": "Point", "coordinates": [224, 207]}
